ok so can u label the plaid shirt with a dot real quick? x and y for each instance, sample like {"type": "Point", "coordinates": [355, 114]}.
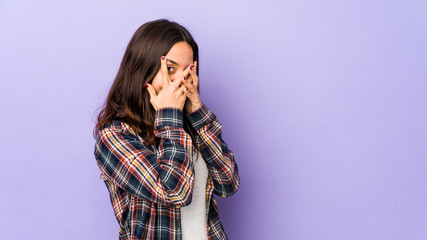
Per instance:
{"type": "Point", "coordinates": [148, 185]}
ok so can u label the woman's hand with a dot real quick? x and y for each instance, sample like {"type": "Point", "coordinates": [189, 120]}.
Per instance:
{"type": "Point", "coordinates": [193, 103]}
{"type": "Point", "coordinates": [171, 94]}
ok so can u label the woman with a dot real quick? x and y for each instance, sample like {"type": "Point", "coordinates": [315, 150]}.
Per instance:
{"type": "Point", "coordinates": [159, 148]}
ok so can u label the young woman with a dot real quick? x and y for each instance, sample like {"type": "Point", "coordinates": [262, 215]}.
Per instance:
{"type": "Point", "coordinates": [159, 148]}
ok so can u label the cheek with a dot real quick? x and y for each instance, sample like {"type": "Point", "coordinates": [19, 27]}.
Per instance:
{"type": "Point", "coordinates": [175, 75]}
{"type": "Point", "coordinates": [172, 77]}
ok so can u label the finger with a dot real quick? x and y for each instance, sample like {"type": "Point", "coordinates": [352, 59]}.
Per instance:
{"type": "Point", "coordinates": [164, 71]}
{"type": "Point", "coordinates": [190, 87]}
{"type": "Point", "coordinates": [190, 68]}
{"type": "Point", "coordinates": [189, 94]}
{"type": "Point", "coordinates": [194, 68]}
{"type": "Point", "coordinates": [177, 82]}
{"type": "Point", "coordinates": [151, 90]}
{"type": "Point", "coordinates": [182, 90]}
{"type": "Point", "coordinates": [194, 77]}
{"type": "Point", "coordinates": [186, 82]}
{"type": "Point", "coordinates": [186, 71]}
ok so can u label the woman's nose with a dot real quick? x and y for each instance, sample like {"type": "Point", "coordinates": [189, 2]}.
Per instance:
{"type": "Point", "coordinates": [174, 76]}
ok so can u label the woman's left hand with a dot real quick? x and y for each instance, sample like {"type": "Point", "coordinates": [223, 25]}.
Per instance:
{"type": "Point", "coordinates": [193, 103]}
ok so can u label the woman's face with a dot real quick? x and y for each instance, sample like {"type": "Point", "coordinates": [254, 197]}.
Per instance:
{"type": "Point", "coordinates": [179, 57]}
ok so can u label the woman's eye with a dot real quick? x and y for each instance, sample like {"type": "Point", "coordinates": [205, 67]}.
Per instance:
{"type": "Point", "coordinates": [170, 69]}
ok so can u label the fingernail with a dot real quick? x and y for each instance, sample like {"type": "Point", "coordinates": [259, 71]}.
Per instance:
{"type": "Point", "coordinates": [192, 66]}
{"type": "Point", "coordinates": [185, 78]}
{"type": "Point", "coordinates": [163, 58]}
{"type": "Point", "coordinates": [146, 85]}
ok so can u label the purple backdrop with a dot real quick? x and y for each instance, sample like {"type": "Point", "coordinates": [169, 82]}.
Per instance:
{"type": "Point", "coordinates": [323, 103]}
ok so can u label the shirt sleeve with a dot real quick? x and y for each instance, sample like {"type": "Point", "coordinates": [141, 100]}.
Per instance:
{"type": "Point", "coordinates": [165, 177]}
{"type": "Point", "coordinates": [221, 163]}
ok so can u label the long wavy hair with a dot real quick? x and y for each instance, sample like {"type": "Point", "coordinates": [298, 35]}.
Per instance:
{"type": "Point", "coordinates": [128, 100]}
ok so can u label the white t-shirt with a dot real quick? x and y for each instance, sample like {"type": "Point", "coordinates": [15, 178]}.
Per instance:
{"type": "Point", "coordinates": [193, 216]}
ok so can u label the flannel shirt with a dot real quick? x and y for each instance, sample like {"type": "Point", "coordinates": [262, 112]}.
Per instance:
{"type": "Point", "coordinates": [148, 185]}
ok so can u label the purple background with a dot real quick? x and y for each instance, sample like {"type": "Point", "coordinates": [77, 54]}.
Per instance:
{"type": "Point", "coordinates": [323, 103]}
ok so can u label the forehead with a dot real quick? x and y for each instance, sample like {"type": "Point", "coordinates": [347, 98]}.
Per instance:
{"type": "Point", "coordinates": [181, 53]}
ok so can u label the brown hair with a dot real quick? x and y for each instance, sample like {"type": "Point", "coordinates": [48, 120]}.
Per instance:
{"type": "Point", "coordinates": [128, 100]}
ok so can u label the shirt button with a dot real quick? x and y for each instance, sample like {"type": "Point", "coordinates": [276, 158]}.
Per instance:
{"type": "Point", "coordinates": [209, 228]}
{"type": "Point", "coordinates": [178, 206]}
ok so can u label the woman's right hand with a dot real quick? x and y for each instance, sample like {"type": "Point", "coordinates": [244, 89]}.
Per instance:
{"type": "Point", "coordinates": [171, 93]}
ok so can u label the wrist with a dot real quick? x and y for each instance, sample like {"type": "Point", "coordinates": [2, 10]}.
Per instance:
{"type": "Point", "coordinates": [195, 107]}
{"type": "Point", "coordinates": [198, 106]}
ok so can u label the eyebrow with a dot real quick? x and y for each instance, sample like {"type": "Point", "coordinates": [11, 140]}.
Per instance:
{"type": "Point", "coordinates": [172, 61]}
